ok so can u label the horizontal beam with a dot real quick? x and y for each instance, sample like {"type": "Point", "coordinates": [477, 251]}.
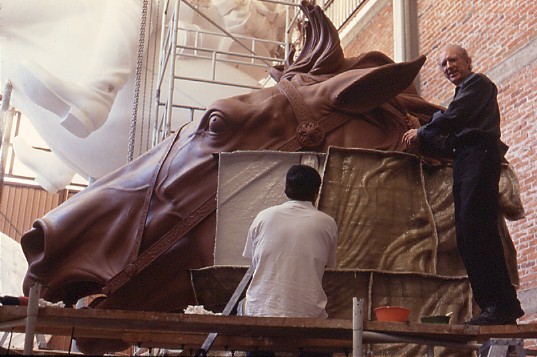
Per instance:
{"type": "Point", "coordinates": [171, 330]}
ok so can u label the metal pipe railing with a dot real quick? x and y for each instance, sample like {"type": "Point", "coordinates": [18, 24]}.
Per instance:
{"type": "Point", "coordinates": [170, 50]}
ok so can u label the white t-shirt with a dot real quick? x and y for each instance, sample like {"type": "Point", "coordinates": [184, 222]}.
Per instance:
{"type": "Point", "coordinates": [290, 246]}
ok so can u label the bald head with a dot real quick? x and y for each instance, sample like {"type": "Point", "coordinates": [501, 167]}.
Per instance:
{"type": "Point", "coordinates": [461, 51]}
{"type": "Point", "coordinates": [455, 63]}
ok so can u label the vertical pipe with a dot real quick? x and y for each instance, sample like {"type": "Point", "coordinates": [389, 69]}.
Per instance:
{"type": "Point", "coordinates": [405, 31]}
{"type": "Point", "coordinates": [6, 97]}
{"type": "Point", "coordinates": [287, 33]}
{"type": "Point", "coordinates": [357, 326]}
{"type": "Point", "coordinates": [162, 63]}
{"type": "Point", "coordinates": [6, 124]}
{"type": "Point", "coordinates": [213, 65]}
{"type": "Point", "coordinates": [5, 120]}
{"type": "Point", "coordinates": [171, 88]}
{"type": "Point", "coordinates": [31, 318]}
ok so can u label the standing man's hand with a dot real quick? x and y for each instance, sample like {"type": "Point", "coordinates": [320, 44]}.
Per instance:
{"type": "Point", "coordinates": [410, 138]}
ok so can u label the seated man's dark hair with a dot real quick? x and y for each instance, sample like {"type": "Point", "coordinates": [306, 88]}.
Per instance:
{"type": "Point", "coordinates": [302, 183]}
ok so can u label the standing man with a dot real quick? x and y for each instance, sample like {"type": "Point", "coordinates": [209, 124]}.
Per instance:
{"type": "Point", "coordinates": [469, 131]}
{"type": "Point", "coordinates": [290, 246]}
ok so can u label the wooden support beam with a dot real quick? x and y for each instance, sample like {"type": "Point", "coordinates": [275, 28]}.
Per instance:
{"type": "Point", "coordinates": [180, 331]}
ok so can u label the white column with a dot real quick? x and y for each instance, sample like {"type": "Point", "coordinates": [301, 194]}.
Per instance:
{"type": "Point", "coordinates": [405, 31]}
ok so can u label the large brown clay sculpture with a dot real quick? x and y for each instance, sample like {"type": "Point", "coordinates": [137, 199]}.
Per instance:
{"type": "Point", "coordinates": [134, 234]}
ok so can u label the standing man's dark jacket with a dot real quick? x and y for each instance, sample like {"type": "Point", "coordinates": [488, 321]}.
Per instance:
{"type": "Point", "coordinates": [472, 116]}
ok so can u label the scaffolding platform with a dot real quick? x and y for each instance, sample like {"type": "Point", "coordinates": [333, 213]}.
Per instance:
{"type": "Point", "coordinates": [240, 333]}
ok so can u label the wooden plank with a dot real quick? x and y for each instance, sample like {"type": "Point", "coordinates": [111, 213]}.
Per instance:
{"type": "Point", "coordinates": [454, 332]}
{"type": "Point", "coordinates": [169, 330]}
{"type": "Point", "coordinates": [101, 322]}
{"type": "Point", "coordinates": [191, 342]}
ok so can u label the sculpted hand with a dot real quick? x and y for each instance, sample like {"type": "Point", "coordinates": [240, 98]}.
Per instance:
{"type": "Point", "coordinates": [410, 138]}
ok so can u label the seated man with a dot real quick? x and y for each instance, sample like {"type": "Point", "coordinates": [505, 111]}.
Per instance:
{"type": "Point", "coordinates": [290, 246]}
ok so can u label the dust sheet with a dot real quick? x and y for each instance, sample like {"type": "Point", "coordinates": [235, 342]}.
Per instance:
{"type": "Point", "coordinates": [384, 212]}
{"type": "Point", "coordinates": [248, 182]}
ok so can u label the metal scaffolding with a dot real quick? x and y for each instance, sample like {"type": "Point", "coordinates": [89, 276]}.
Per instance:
{"type": "Point", "coordinates": [170, 110]}
{"type": "Point", "coordinates": [186, 332]}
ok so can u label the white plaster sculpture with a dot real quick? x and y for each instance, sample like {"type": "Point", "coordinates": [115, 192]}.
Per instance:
{"type": "Point", "coordinates": [72, 64]}
{"type": "Point", "coordinates": [62, 38]}
{"type": "Point", "coordinates": [84, 106]}
{"type": "Point", "coordinates": [13, 267]}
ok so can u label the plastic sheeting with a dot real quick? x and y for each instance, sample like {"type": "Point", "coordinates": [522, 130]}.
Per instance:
{"type": "Point", "coordinates": [394, 211]}
{"type": "Point", "coordinates": [249, 182]}
{"type": "Point", "coordinates": [380, 205]}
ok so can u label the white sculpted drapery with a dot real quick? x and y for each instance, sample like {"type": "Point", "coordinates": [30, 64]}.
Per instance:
{"type": "Point", "coordinates": [72, 65]}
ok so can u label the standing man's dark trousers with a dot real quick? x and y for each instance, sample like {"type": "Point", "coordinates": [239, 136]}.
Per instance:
{"type": "Point", "coordinates": [476, 174]}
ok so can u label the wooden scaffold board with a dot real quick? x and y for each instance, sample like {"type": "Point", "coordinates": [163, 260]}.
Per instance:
{"type": "Point", "coordinates": [240, 333]}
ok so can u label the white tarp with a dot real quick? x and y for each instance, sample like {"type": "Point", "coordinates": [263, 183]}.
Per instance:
{"type": "Point", "coordinates": [248, 182]}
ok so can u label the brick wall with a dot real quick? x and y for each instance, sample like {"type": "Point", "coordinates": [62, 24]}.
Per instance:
{"type": "Point", "coordinates": [501, 38]}
{"type": "Point", "coordinates": [376, 36]}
